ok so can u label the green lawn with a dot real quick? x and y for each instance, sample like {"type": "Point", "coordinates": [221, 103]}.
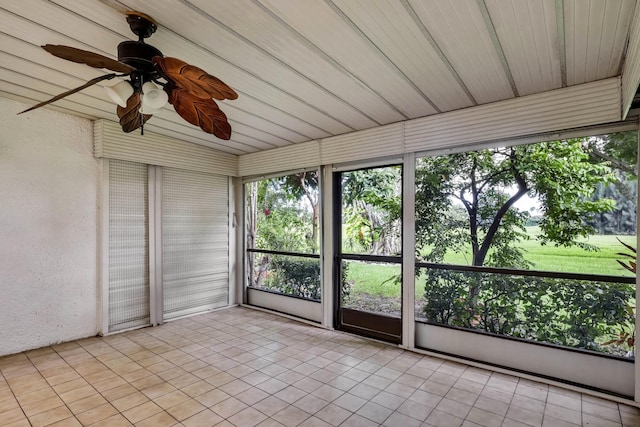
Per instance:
{"type": "Point", "coordinates": [571, 260]}
{"type": "Point", "coordinates": [375, 279]}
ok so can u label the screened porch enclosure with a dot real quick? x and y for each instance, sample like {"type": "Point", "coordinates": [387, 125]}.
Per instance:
{"type": "Point", "coordinates": [443, 176]}
{"type": "Point", "coordinates": [544, 284]}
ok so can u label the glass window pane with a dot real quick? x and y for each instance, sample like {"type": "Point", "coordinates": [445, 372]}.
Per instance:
{"type": "Point", "coordinates": [291, 275]}
{"type": "Point", "coordinates": [554, 206]}
{"type": "Point", "coordinates": [585, 314]}
{"type": "Point", "coordinates": [282, 213]}
{"type": "Point", "coordinates": [282, 216]}
{"type": "Point", "coordinates": [372, 211]}
{"type": "Point", "coordinates": [564, 206]}
{"type": "Point", "coordinates": [373, 287]}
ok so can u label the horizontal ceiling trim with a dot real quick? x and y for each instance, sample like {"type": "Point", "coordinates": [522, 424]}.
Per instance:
{"type": "Point", "coordinates": [154, 149]}
{"type": "Point", "coordinates": [295, 156]}
{"type": "Point", "coordinates": [574, 107]}
{"type": "Point", "coordinates": [630, 123]}
{"type": "Point", "coordinates": [370, 143]}
{"type": "Point", "coordinates": [564, 108]}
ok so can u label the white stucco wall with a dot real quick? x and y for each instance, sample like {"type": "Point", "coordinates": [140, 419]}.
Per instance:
{"type": "Point", "coordinates": [48, 215]}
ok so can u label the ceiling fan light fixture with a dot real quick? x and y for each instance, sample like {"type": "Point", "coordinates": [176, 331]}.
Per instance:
{"type": "Point", "coordinates": [120, 92]}
{"type": "Point", "coordinates": [153, 98]}
{"type": "Point", "coordinates": [191, 90]}
{"type": "Point", "coordinates": [149, 111]}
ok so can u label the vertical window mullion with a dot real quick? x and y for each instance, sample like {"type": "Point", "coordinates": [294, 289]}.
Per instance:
{"type": "Point", "coordinates": [408, 250]}
{"type": "Point", "coordinates": [155, 244]}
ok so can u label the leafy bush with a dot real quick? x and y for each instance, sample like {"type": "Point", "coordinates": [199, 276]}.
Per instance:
{"type": "Point", "coordinates": [284, 229]}
{"type": "Point", "coordinates": [299, 277]}
{"type": "Point", "coordinates": [574, 313]}
{"type": "Point", "coordinates": [625, 335]}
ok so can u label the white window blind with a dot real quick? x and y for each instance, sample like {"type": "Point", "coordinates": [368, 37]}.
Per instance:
{"type": "Point", "coordinates": [195, 242]}
{"type": "Point", "coordinates": [128, 245]}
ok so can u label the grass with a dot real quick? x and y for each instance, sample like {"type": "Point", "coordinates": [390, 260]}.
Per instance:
{"type": "Point", "coordinates": [571, 259]}
{"type": "Point", "coordinates": [374, 279]}
{"type": "Point", "coordinates": [377, 279]}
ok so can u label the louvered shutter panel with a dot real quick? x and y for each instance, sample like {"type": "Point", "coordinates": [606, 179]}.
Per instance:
{"type": "Point", "coordinates": [128, 245]}
{"type": "Point", "coordinates": [195, 242]}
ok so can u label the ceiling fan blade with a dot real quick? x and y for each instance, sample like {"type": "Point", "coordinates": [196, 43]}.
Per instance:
{"type": "Point", "coordinates": [130, 116]}
{"type": "Point", "coordinates": [200, 112]}
{"type": "Point", "coordinates": [72, 91]}
{"type": "Point", "coordinates": [194, 79]}
{"type": "Point", "coordinates": [91, 59]}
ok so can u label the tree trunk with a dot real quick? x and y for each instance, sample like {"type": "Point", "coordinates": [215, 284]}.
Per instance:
{"type": "Point", "coordinates": [480, 251]}
{"type": "Point", "coordinates": [313, 202]}
{"type": "Point", "coordinates": [263, 268]}
{"type": "Point", "coordinates": [252, 216]}
{"type": "Point", "coordinates": [314, 230]}
{"type": "Point", "coordinates": [479, 258]}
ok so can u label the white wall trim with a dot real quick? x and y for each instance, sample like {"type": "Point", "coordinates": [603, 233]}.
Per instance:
{"type": "Point", "coordinates": [327, 245]}
{"type": "Point", "coordinates": [234, 241]}
{"type": "Point", "coordinates": [408, 250]}
{"type": "Point", "coordinates": [155, 245]}
{"type": "Point", "coordinates": [304, 309]}
{"type": "Point", "coordinates": [295, 156]}
{"type": "Point", "coordinates": [631, 67]}
{"type": "Point", "coordinates": [527, 376]}
{"type": "Point", "coordinates": [381, 141]}
{"type": "Point", "coordinates": [538, 114]}
{"type": "Point", "coordinates": [286, 316]}
{"type": "Point", "coordinates": [159, 150]}
{"type": "Point", "coordinates": [241, 234]}
{"type": "Point", "coordinates": [103, 251]}
{"type": "Point", "coordinates": [631, 123]}
{"type": "Point", "coordinates": [580, 368]}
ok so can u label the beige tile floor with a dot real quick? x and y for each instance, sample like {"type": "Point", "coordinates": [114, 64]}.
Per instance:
{"type": "Point", "coordinates": [244, 367]}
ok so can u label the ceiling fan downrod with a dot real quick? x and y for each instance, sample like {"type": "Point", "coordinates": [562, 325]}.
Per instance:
{"type": "Point", "coordinates": [139, 54]}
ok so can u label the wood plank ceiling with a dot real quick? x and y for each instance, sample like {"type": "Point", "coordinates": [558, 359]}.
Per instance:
{"type": "Point", "coordinates": [309, 69]}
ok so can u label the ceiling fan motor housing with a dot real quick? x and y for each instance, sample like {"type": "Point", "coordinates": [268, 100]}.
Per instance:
{"type": "Point", "coordinates": [141, 25]}
{"type": "Point", "coordinates": [138, 55]}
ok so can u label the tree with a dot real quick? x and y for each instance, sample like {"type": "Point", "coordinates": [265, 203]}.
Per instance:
{"type": "Point", "coordinates": [304, 185]}
{"type": "Point", "coordinates": [252, 226]}
{"type": "Point", "coordinates": [622, 220]}
{"type": "Point", "coordinates": [620, 150]}
{"type": "Point", "coordinates": [282, 215]}
{"type": "Point", "coordinates": [275, 221]}
{"type": "Point", "coordinates": [486, 184]}
{"type": "Point", "coordinates": [372, 209]}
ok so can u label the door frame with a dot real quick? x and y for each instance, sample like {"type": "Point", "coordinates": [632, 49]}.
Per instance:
{"type": "Point", "coordinates": [378, 326]}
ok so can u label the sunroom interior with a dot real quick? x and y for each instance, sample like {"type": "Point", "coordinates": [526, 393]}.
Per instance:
{"type": "Point", "coordinates": [105, 231]}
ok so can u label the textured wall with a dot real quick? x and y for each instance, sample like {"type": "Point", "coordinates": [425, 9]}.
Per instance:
{"type": "Point", "coordinates": [48, 215]}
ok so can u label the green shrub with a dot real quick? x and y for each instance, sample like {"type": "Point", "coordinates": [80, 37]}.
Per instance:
{"type": "Point", "coordinates": [574, 313]}
{"type": "Point", "coordinates": [299, 277]}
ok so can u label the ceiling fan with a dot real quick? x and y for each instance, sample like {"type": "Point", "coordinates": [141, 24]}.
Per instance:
{"type": "Point", "coordinates": [153, 80]}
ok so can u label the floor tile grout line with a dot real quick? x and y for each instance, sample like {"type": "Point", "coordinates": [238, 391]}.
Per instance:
{"type": "Point", "coordinates": [389, 364]}
{"type": "Point", "coordinates": [74, 415]}
{"type": "Point", "coordinates": [50, 386]}
{"type": "Point", "coordinates": [14, 396]}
